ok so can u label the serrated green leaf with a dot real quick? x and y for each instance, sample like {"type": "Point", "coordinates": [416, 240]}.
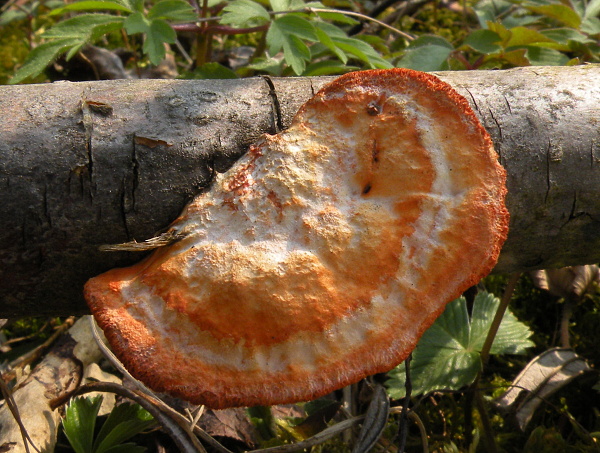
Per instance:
{"type": "Point", "coordinates": [174, 10]}
{"type": "Point", "coordinates": [91, 5]}
{"type": "Point", "coordinates": [362, 51]}
{"type": "Point", "coordinates": [483, 41]}
{"type": "Point", "coordinates": [331, 30]}
{"type": "Point", "coordinates": [292, 25]}
{"type": "Point", "coordinates": [334, 17]}
{"type": "Point", "coordinates": [244, 13]}
{"type": "Point", "coordinates": [296, 53]}
{"type": "Point", "coordinates": [448, 354]}
{"type": "Point", "coordinates": [159, 34]}
{"type": "Point", "coordinates": [330, 16]}
{"type": "Point", "coordinates": [82, 26]}
{"type": "Point", "coordinates": [325, 39]}
{"type": "Point", "coordinates": [559, 12]}
{"type": "Point", "coordinates": [136, 23]}
{"type": "Point", "coordinates": [80, 421]}
{"type": "Point", "coordinates": [512, 337]}
{"type": "Point", "coordinates": [40, 57]}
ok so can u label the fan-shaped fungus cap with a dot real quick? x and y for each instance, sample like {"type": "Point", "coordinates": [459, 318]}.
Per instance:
{"type": "Point", "coordinates": [322, 255]}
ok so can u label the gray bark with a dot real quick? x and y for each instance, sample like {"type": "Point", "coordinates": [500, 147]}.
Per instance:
{"type": "Point", "coordinates": [85, 164]}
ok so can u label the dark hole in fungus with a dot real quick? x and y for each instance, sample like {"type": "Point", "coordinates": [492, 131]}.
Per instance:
{"type": "Point", "coordinates": [373, 108]}
{"type": "Point", "coordinates": [367, 188]}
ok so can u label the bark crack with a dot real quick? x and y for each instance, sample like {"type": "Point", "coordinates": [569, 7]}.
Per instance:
{"type": "Point", "coordinates": [507, 103]}
{"type": "Point", "coordinates": [497, 125]}
{"type": "Point", "coordinates": [277, 121]}
{"type": "Point", "coordinates": [123, 209]}
{"type": "Point", "coordinates": [473, 99]}
{"type": "Point", "coordinates": [45, 207]}
{"type": "Point", "coordinates": [547, 173]}
{"type": "Point", "coordinates": [88, 126]}
{"type": "Point", "coordinates": [135, 172]}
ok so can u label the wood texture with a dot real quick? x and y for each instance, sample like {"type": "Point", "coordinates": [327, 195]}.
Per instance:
{"type": "Point", "coordinates": [85, 164]}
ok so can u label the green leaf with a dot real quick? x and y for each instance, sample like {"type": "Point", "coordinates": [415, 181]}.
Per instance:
{"type": "Point", "coordinates": [512, 337]}
{"type": "Point", "coordinates": [213, 70]}
{"type": "Point", "coordinates": [324, 68]}
{"type": "Point", "coordinates": [80, 421]}
{"type": "Point", "coordinates": [484, 41]}
{"type": "Point", "coordinates": [448, 354]}
{"type": "Point", "coordinates": [329, 16]}
{"type": "Point", "coordinates": [92, 5]}
{"type": "Point", "coordinates": [540, 56]}
{"type": "Point", "coordinates": [82, 26]}
{"type": "Point", "coordinates": [40, 57]}
{"type": "Point", "coordinates": [12, 15]}
{"type": "Point", "coordinates": [564, 35]}
{"type": "Point", "coordinates": [126, 448]}
{"type": "Point", "coordinates": [271, 65]}
{"type": "Point", "coordinates": [280, 5]}
{"type": "Point", "coordinates": [244, 13]}
{"type": "Point", "coordinates": [292, 25]}
{"type": "Point", "coordinates": [124, 422]}
{"type": "Point", "coordinates": [326, 40]}
{"type": "Point", "coordinates": [516, 57]}
{"type": "Point", "coordinates": [287, 33]}
{"type": "Point", "coordinates": [159, 34]}
{"type": "Point", "coordinates": [592, 9]}
{"type": "Point", "coordinates": [426, 53]}
{"type": "Point", "coordinates": [296, 53]}
{"type": "Point", "coordinates": [174, 10]}
{"type": "Point", "coordinates": [136, 23]}
{"type": "Point", "coordinates": [362, 51]}
{"type": "Point", "coordinates": [591, 26]}
{"type": "Point", "coordinates": [559, 12]}
{"type": "Point", "coordinates": [522, 36]}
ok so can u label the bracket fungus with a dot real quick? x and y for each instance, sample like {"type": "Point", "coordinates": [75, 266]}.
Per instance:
{"type": "Point", "coordinates": [322, 255]}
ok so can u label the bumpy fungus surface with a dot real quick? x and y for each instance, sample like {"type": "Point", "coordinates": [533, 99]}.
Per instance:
{"type": "Point", "coordinates": [322, 255]}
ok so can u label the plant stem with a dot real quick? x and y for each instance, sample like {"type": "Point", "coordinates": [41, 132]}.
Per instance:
{"type": "Point", "coordinates": [488, 435]}
{"type": "Point", "coordinates": [567, 312]}
{"type": "Point", "coordinates": [506, 297]}
{"type": "Point", "coordinates": [403, 421]}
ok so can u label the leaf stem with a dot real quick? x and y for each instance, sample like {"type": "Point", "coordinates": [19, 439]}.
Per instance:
{"type": "Point", "coordinates": [506, 297]}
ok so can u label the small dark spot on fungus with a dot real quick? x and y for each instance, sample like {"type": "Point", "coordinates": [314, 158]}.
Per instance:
{"type": "Point", "coordinates": [375, 152]}
{"type": "Point", "coordinates": [373, 108]}
{"type": "Point", "coordinates": [367, 188]}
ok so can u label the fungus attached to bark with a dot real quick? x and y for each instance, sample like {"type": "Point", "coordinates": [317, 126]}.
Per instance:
{"type": "Point", "coordinates": [322, 255]}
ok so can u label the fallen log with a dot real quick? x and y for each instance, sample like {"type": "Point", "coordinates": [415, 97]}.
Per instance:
{"type": "Point", "coordinates": [92, 163]}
